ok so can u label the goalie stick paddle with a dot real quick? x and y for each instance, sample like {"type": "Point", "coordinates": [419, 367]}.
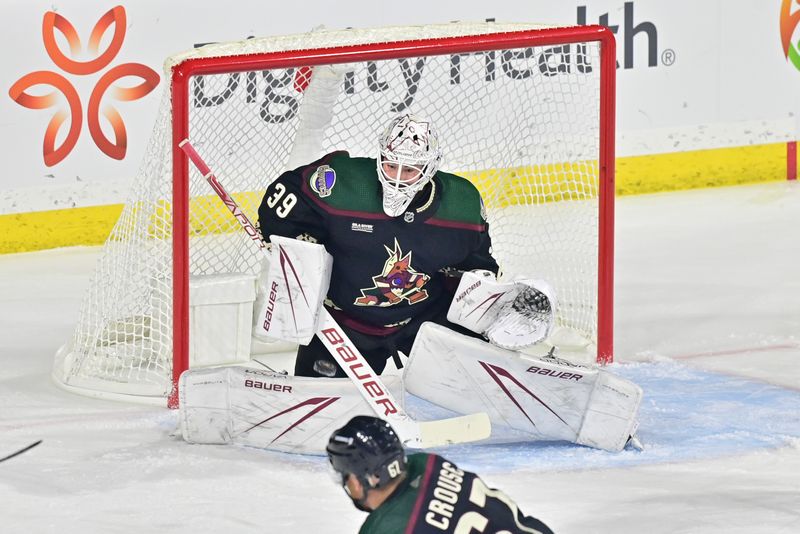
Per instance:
{"type": "Point", "coordinates": [420, 434]}
{"type": "Point", "coordinates": [23, 449]}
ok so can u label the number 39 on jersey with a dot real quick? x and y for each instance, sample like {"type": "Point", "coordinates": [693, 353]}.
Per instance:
{"type": "Point", "coordinates": [281, 201]}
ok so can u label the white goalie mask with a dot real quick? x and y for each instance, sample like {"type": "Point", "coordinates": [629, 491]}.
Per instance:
{"type": "Point", "coordinates": [409, 157]}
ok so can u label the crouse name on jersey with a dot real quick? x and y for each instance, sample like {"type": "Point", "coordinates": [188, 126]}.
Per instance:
{"type": "Point", "coordinates": [445, 492]}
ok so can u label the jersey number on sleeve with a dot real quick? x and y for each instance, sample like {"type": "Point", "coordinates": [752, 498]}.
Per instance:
{"type": "Point", "coordinates": [284, 203]}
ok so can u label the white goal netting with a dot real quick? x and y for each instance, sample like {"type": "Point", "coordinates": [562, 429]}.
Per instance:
{"type": "Point", "coordinates": [523, 123]}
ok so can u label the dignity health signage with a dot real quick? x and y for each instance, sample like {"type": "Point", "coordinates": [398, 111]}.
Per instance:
{"type": "Point", "coordinates": [82, 81]}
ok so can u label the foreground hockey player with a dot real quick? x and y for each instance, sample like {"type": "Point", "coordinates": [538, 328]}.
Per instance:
{"type": "Point", "coordinates": [419, 493]}
{"type": "Point", "coordinates": [391, 226]}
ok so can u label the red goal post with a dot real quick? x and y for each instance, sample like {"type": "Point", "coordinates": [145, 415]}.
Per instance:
{"type": "Point", "coordinates": [519, 91]}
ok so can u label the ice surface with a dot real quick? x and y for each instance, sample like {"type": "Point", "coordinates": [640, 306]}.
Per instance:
{"type": "Point", "coordinates": [707, 322]}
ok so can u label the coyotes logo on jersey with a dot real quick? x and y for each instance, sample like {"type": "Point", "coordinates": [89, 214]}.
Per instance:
{"type": "Point", "coordinates": [397, 282]}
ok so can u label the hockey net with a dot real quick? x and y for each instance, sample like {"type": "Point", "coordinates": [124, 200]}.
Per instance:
{"type": "Point", "coordinates": [524, 111]}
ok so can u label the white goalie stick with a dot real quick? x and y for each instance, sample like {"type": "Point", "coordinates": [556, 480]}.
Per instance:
{"type": "Point", "coordinates": [418, 434]}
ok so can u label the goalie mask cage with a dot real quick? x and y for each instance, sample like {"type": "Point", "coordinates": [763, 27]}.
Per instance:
{"type": "Point", "coordinates": [525, 112]}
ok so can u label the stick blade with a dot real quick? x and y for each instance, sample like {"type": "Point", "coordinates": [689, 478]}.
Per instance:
{"type": "Point", "coordinates": [463, 429]}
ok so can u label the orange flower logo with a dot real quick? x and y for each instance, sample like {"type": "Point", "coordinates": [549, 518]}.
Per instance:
{"type": "Point", "coordinates": [105, 86]}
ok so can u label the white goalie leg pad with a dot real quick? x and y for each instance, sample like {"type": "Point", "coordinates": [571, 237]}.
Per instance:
{"type": "Point", "coordinates": [546, 399]}
{"type": "Point", "coordinates": [511, 315]}
{"type": "Point", "coordinates": [268, 410]}
{"type": "Point", "coordinates": [604, 424]}
{"type": "Point", "coordinates": [297, 282]}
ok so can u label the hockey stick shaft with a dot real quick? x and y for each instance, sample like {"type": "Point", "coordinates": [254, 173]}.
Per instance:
{"type": "Point", "coordinates": [228, 200]}
{"type": "Point", "coordinates": [419, 434]}
{"type": "Point", "coordinates": [23, 449]}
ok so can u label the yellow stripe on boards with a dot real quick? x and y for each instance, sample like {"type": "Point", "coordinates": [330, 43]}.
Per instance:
{"type": "Point", "coordinates": [701, 168]}
{"type": "Point", "coordinates": [24, 232]}
{"type": "Point", "coordinates": [535, 184]}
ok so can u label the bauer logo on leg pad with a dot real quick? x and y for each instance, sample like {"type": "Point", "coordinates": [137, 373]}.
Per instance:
{"type": "Point", "coordinates": [553, 373]}
{"type": "Point", "coordinates": [266, 386]}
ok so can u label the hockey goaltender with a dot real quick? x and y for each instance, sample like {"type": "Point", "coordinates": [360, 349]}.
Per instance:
{"type": "Point", "coordinates": [363, 258]}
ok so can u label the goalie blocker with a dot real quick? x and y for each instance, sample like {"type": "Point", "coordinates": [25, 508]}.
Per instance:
{"type": "Point", "coordinates": [545, 399]}
{"type": "Point", "coordinates": [291, 299]}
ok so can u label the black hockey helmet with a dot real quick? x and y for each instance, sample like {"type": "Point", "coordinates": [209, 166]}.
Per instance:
{"type": "Point", "coordinates": [367, 447]}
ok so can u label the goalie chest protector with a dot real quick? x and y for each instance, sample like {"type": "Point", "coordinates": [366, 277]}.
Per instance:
{"type": "Point", "coordinates": [385, 269]}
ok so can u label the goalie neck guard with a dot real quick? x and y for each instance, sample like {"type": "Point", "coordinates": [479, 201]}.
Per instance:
{"type": "Point", "coordinates": [407, 142]}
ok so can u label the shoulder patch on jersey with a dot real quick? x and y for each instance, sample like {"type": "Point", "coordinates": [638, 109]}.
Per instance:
{"type": "Point", "coordinates": [323, 180]}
